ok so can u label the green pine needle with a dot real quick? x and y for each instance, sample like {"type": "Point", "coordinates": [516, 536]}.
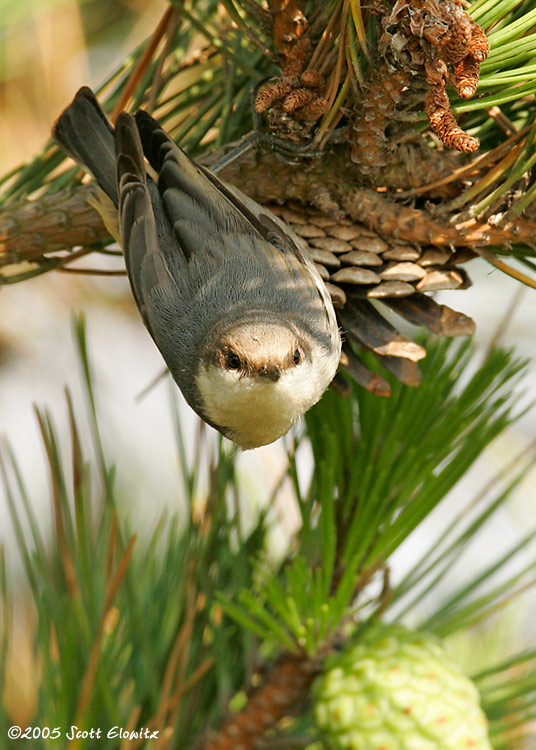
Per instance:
{"type": "Point", "coordinates": [380, 467]}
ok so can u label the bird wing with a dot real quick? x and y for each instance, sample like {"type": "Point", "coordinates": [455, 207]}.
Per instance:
{"type": "Point", "coordinates": [192, 192]}
{"type": "Point", "coordinates": [144, 229]}
{"type": "Point", "coordinates": [241, 231]}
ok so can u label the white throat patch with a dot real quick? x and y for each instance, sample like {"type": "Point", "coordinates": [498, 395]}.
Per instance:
{"type": "Point", "coordinates": [254, 411]}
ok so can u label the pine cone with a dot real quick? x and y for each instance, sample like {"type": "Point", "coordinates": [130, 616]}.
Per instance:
{"type": "Point", "coordinates": [360, 267]}
{"type": "Point", "coordinates": [398, 690]}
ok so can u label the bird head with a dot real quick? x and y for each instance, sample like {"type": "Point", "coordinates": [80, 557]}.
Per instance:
{"type": "Point", "coordinates": [258, 378]}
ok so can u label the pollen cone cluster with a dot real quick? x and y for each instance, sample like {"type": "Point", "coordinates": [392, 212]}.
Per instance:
{"type": "Point", "coordinates": [361, 270]}
{"type": "Point", "coordinates": [398, 690]}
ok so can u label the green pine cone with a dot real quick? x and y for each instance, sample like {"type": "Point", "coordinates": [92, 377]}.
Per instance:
{"type": "Point", "coordinates": [398, 690]}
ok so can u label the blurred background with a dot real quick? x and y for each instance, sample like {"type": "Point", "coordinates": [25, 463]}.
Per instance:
{"type": "Point", "coordinates": [48, 48]}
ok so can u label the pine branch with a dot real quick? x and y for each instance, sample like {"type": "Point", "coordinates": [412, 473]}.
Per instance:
{"type": "Point", "coordinates": [54, 222]}
{"type": "Point", "coordinates": [59, 221]}
{"type": "Point", "coordinates": [287, 683]}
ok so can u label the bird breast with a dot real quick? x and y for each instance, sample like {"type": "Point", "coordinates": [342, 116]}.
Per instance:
{"type": "Point", "coordinates": [255, 411]}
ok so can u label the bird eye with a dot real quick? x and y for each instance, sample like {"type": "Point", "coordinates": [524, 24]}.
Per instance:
{"type": "Point", "coordinates": [233, 361]}
{"type": "Point", "coordinates": [297, 357]}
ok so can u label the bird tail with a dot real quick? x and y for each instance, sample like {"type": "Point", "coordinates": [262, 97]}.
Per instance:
{"type": "Point", "coordinates": [83, 132]}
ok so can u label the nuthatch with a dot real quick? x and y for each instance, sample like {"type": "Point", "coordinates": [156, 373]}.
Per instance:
{"type": "Point", "coordinates": [226, 290]}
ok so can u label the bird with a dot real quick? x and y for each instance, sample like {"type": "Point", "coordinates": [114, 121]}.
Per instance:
{"type": "Point", "coordinates": [225, 288]}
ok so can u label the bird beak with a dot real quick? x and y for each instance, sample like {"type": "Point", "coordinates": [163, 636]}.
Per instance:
{"type": "Point", "coordinates": [272, 372]}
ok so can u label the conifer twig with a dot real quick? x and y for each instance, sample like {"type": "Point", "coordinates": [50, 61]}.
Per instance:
{"type": "Point", "coordinates": [59, 221]}
{"type": "Point", "coordinates": [282, 688]}
{"type": "Point", "coordinates": [143, 63]}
